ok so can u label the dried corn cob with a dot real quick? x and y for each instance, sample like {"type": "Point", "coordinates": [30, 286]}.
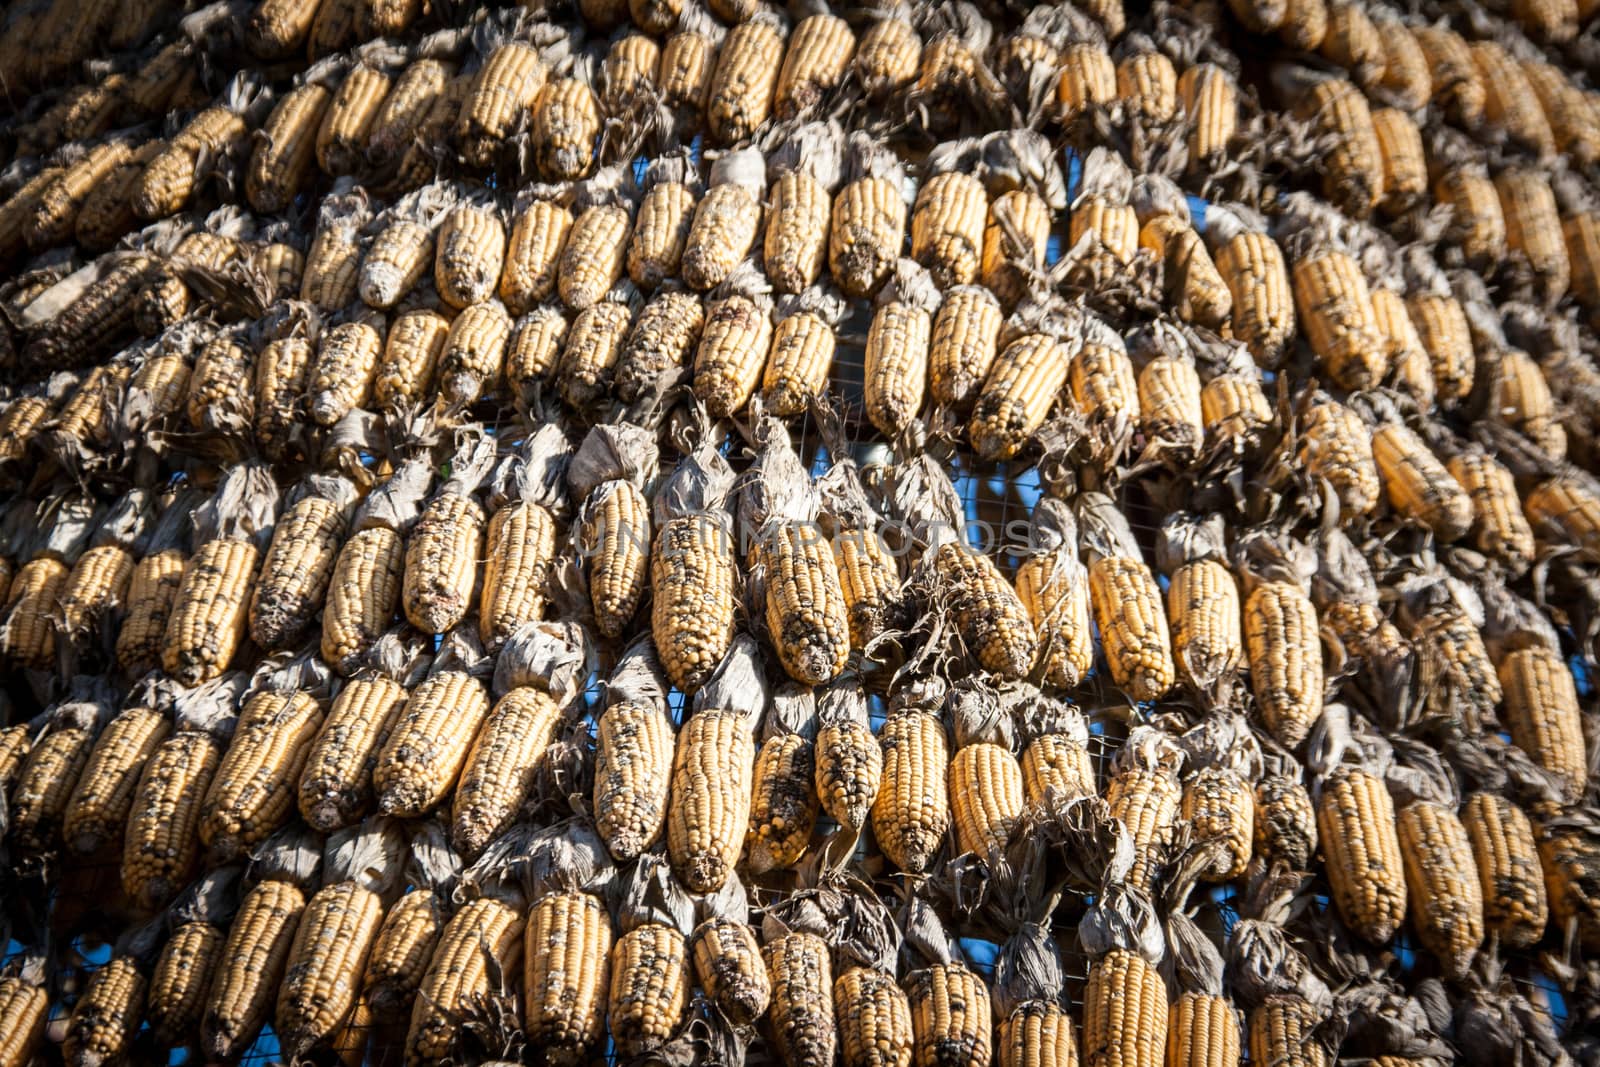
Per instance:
{"type": "Point", "coordinates": [868, 222]}
{"type": "Point", "coordinates": [420, 160]}
{"type": "Point", "coordinates": [106, 1017]}
{"type": "Point", "coordinates": [442, 554]}
{"type": "Point", "coordinates": [874, 1019]}
{"type": "Point", "coordinates": [1499, 528]}
{"type": "Point", "coordinates": [321, 978]}
{"type": "Point", "coordinates": [629, 74]}
{"type": "Point", "coordinates": [746, 79]}
{"type": "Point", "coordinates": [252, 967]}
{"type": "Point", "coordinates": [332, 270]}
{"type": "Point", "coordinates": [1285, 822]}
{"type": "Point", "coordinates": [593, 259]}
{"type": "Point", "coordinates": [1281, 1029]}
{"type": "Point", "coordinates": [401, 252]}
{"type": "Point", "coordinates": [503, 93]}
{"type": "Point", "coordinates": [1457, 87]}
{"type": "Point", "coordinates": [1541, 703]}
{"type": "Point", "coordinates": [406, 372]}
{"type": "Point", "coordinates": [565, 123]}
{"type": "Point", "coordinates": [1572, 127]}
{"type": "Point", "coordinates": [170, 180]}
{"type": "Point", "coordinates": [947, 227]}
{"type": "Point", "coordinates": [1144, 793]}
{"type": "Point", "coordinates": [726, 221]}
{"type": "Point", "coordinates": [283, 159]}
{"type": "Point", "coordinates": [888, 57]}
{"type": "Point", "coordinates": [1253, 267]}
{"type": "Point", "coordinates": [849, 765]}
{"type": "Point", "coordinates": [1417, 485]}
{"type": "Point", "coordinates": [567, 972]}
{"type": "Point", "coordinates": [1405, 166]}
{"type": "Point", "coordinates": [986, 793]}
{"type": "Point", "coordinates": [964, 345]}
{"type": "Point", "coordinates": [803, 347]}
{"type": "Point", "coordinates": [1356, 824]}
{"type": "Point", "coordinates": [1446, 901]}
{"type": "Point", "coordinates": [896, 362]}
{"type": "Point", "coordinates": [295, 574]}
{"type": "Point", "coordinates": [950, 1015]}
{"type": "Point", "coordinates": [912, 809]}
{"type": "Point", "coordinates": [1510, 103]}
{"type": "Point", "coordinates": [183, 971]}
{"type": "Point", "coordinates": [160, 846]}
{"type": "Point", "coordinates": [1192, 282]}
{"type": "Point", "coordinates": [405, 110]}
{"type": "Point", "coordinates": [471, 252]}
{"type": "Point", "coordinates": [633, 761]}
{"type": "Point", "coordinates": [689, 62]}
{"type": "Point", "coordinates": [362, 595]}
{"type": "Point", "coordinates": [251, 794]}
{"type": "Point", "coordinates": [429, 744]}
{"type": "Point", "coordinates": [498, 776]}
{"type": "Point", "coordinates": [735, 343]}
{"type": "Point", "coordinates": [710, 797]}
{"type": "Point", "coordinates": [1477, 222]}
{"type": "Point", "coordinates": [104, 793]}
{"type": "Point", "coordinates": [277, 28]}
{"type": "Point", "coordinates": [1561, 509]}
{"type": "Point", "coordinates": [1126, 601]}
{"type": "Point", "coordinates": [483, 937]}
{"type": "Point", "coordinates": [402, 951]}
{"type": "Point", "coordinates": [802, 1003]}
{"type": "Point", "coordinates": [1125, 1012]}
{"type": "Point", "coordinates": [335, 785]}
{"type": "Point", "coordinates": [818, 54]}
{"type": "Point", "coordinates": [783, 804]}
{"type": "Point", "coordinates": [209, 616]}
{"type": "Point", "coordinates": [649, 993]}
{"type": "Point", "coordinates": [1441, 327]}
{"type": "Point", "coordinates": [1335, 308]}
{"type": "Point", "coordinates": [1506, 861]}
{"type": "Point", "coordinates": [472, 364]}
{"type": "Point", "coordinates": [1054, 589]}
{"type": "Point", "coordinates": [1520, 398]}
{"type": "Point", "coordinates": [1285, 658]}
{"type": "Point", "coordinates": [1014, 244]}
{"type": "Point", "coordinates": [1022, 386]}
{"type": "Point", "coordinates": [538, 234]}
{"type": "Point", "coordinates": [1533, 229]}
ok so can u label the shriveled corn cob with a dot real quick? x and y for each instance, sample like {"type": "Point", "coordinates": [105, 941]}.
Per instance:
{"type": "Point", "coordinates": [566, 120]}
{"type": "Point", "coordinates": [538, 234]}
{"type": "Point", "coordinates": [1281, 1032]}
{"type": "Point", "coordinates": [1219, 804]}
{"type": "Point", "coordinates": [783, 804]}
{"type": "Point", "coordinates": [1014, 244]}
{"type": "Point", "coordinates": [294, 577]}
{"type": "Point", "coordinates": [591, 351]}
{"type": "Point", "coordinates": [1285, 822]}
{"type": "Point", "coordinates": [472, 364]}
{"type": "Point", "coordinates": [728, 964]}
{"type": "Point", "coordinates": [170, 179]}
{"type": "Point", "coordinates": [498, 777]}
{"type": "Point", "coordinates": [865, 233]}
{"type": "Point", "coordinates": [95, 321]}
{"type": "Point", "coordinates": [725, 225]}
{"type": "Point", "coordinates": [1457, 87]}
{"type": "Point", "coordinates": [335, 785]}
{"type": "Point", "coordinates": [1509, 101]}
{"type": "Point", "coordinates": [321, 977]}
{"type": "Point", "coordinates": [1193, 284]}
{"type": "Point", "coordinates": [1147, 84]}
{"type": "Point", "coordinates": [986, 792]}
{"type": "Point", "coordinates": [1125, 1013]}
{"type": "Point", "coordinates": [362, 595]}
{"type": "Point", "coordinates": [1418, 486]}
{"type": "Point", "coordinates": [912, 810]}
{"type": "Point", "coordinates": [710, 807]}
{"type": "Point", "coordinates": [1357, 827]}
{"type": "Point", "coordinates": [688, 64]}
{"type": "Point", "coordinates": [54, 219]}
{"type": "Point", "coordinates": [993, 623]}
{"type": "Point", "coordinates": [1405, 165]}
{"type": "Point", "coordinates": [746, 79]}
{"type": "Point", "coordinates": [483, 937]}
{"type": "Point", "coordinates": [567, 973]}
{"type": "Point", "coordinates": [1133, 626]}
{"type": "Point", "coordinates": [1541, 703]}
{"type": "Point", "coordinates": [734, 347]}
{"type": "Point", "coordinates": [802, 1016]}
{"type": "Point", "coordinates": [161, 843]}
{"type": "Point", "coordinates": [252, 967]}
{"type": "Point", "coordinates": [104, 794]}
{"type": "Point", "coordinates": [1458, 676]}
{"type": "Point", "coordinates": [896, 359]}
{"type": "Point", "coordinates": [1506, 861]}
{"type": "Point", "coordinates": [633, 769]}
{"type": "Point", "coordinates": [615, 535]}
{"type": "Point", "coordinates": [1335, 309]}
{"type": "Point", "coordinates": [874, 1019]}
{"type": "Point", "coordinates": [405, 110]}
{"type": "Point", "coordinates": [178, 985]}
{"type": "Point", "coordinates": [402, 951]}
{"type": "Point", "coordinates": [1446, 900]}
{"type": "Point", "coordinates": [441, 568]}
{"type": "Point", "coordinates": [407, 370]}
{"type": "Point", "coordinates": [471, 255]}
{"type": "Point", "coordinates": [819, 53]}
{"type": "Point", "coordinates": [888, 57]}
{"type": "Point", "coordinates": [283, 159]}
{"type": "Point", "coordinates": [397, 259]}
{"type": "Point", "coordinates": [1499, 527]}
{"type": "Point", "coordinates": [950, 1015]}
{"type": "Point", "coordinates": [1573, 128]}
{"type": "Point", "coordinates": [1335, 447]}
{"type": "Point", "coordinates": [420, 157]}
{"type": "Point", "coordinates": [1533, 228]}
{"type": "Point", "coordinates": [429, 744]}
{"type": "Point", "coordinates": [1148, 802]}
{"type": "Point", "coordinates": [1568, 858]}
{"type": "Point", "coordinates": [805, 604]}
{"type": "Point", "coordinates": [1207, 638]}
{"type": "Point", "coordinates": [106, 1017]}
{"type": "Point", "coordinates": [1441, 326]}
{"type": "Point", "coordinates": [849, 771]}
{"type": "Point", "coordinates": [691, 579]}
{"type": "Point", "coordinates": [210, 614]}
{"type": "Point", "coordinates": [649, 992]}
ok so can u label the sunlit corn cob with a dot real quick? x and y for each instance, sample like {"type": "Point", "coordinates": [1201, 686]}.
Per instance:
{"type": "Point", "coordinates": [950, 1015]}
{"type": "Point", "coordinates": [802, 1017]}
{"type": "Point", "coordinates": [1281, 1032]}
{"type": "Point", "coordinates": [591, 351]}
{"type": "Point", "coordinates": [724, 228]}
{"type": "Point", "coordinates": [1458, 676]}
{"type": "Point", "coordinates": [471, 254]}
{"type": "Point", "coordinates": [161, 843]}
{"type": "Point", "coordinates": [1509, 101]}
{"type": "Point", "coordinates": [253, 961]}
{"type": "Point", "coordinates": [521, 549]}
{"type": "Point", "coordinates": [817, 56]}
{"type": "Point", "coordinates": [733, 349]}
{"type": "Point", "coordinates": [710, 808]}
{"type": "Point", "coordinates": [615, 536]}
{"type": "Point", "coordinates": [629, 74]}
{"type": "Point", "coordinates": [406, 371]}
{"type": "Point", "coordinates": [252, 793]}
{"type": "Point", "coordinates": [20, 423]}
{"type": "Point", "coordinates": [567, 973]}
{"type": "Point", "coordinates": [592, 260]}
{"type": "Point", "coordinates": [331, 279]}
{"type": "Point", "coordinates": [1021, 388]}
{"type": "Point", "coordinates": [1570, 860]}
{"type": "Point", "coordinates": [405, 109]}
{"type": "Point", "coordinates": [633, 768]}
{"type": "Point", "coordinates": [993, 623]}
{"type": "Point", "coordinates": [441, 569]}
{"type": "Point", "coordinates": [803, 347]}
{"type": "Point", "coordinates": [692, 592]}
{"type": "Point", "coordinates": [102, 315]}
{"type": "Point", "coordinates": [106, 1017]}
{"type": "Point", "coordinates": [1133, 626]}
{"type": "Point", "coordinates": [849, 771]}
{"type": "Point", "coordinates": [566, 119]}
{"type": "Point", "coordinates": [1356, 824]}
{"type": "Point", "coordinates": [965, 341]}
{"type": "Point", "coordinates": [986, 793]}
{"type": "Point", "coordinates": [342, 376]}
{"type": "Point", "coordinates": [1203, 605]}
{"type": "Point", "coordinates": [865, 233]}
{"type": "Point", "coordinates": [1054, 590]}
{"type": "Point", "coordinates": [15, 742]}
{"type": "Point", "coordinates": [912, 810]}
{"type": "Point", "coordinates": [24, 1010]}
{"type": "Point", "coordinates": [1352, 42]}
{"type": "Point", "coordinates": [1477, 222]}
{"type": "Point", "coordinates": [535, 349]}
{"type": "Point", "coordinates": [874, 1019]}
{"type": "Point", "coordinates": [1148, 801]}
{"type": "Point", "coordinates": [402, 951]}
{"type": "Point", "coordinates": [745, 80]}
{"type": "Point", "coordinates": [178, 985]}
{"type": "Point", "coordinates": [1560, 509]}
{"type": "Point", "coordinates": [335, 785]}
{"type": "Point", "coordinates": [1446, 902]}
{"type": "Point", "coordinates": [397, 259]}
{"type": "Point", "coordinates": [28, 638]}
{"type": "Point", "coordinates": [484, 937]}
{"type": "Point", "coordinates": [688, 63]}
{"type": "Point", "coordinates": [1499, 528]}
{"type": "Point", "coordinates": [1552, 21]}
{"type": "Point", "coordinates": [1203, 1028]}
{"type": "Point", "coordinates": [362, 595]}
{"type": "Point", "coordinates": [728, 964]}
{"type": "Point", "coordinates": [210, 615]}
{"type": "Point", "coordinates": [805, 615]}
{"type": "Point", "coordinates": [783, 806]}
{"type": "Point", "coordinates": [284, 157]}
{"type": "Point", "coordinates": [1211, 100]}
{"type": "Point", "coordinates": [887, 57]}
{"type": "Point", "coordinates": [649, 992]}
{"type": "Point", "coordinates": [796, 240]}
{"type": "Point", "coordinates": [97, 584]}
{"type": "Point", "coordinates": [497, 779]}
{"type": "Point", "coordinates": [20, 208]}
{"type": "Point", "coordinates": [294, 577]}
{"type": "Point", "coordinates": [472, 363]}
{"type": "Point", "coordinates": [1441, 326]}
{"type": "Point", "coordinates": [1088, 80]}
{"type": "Point", "coordinates": [896, 359]}
{"type": "Point", "coordinates": [1263, 299]}
{"type": "Point", "coordinates": [170, 179]}
{"type": "Point", "coordinates": [1014, 244]}
{"type": "Point", "coordinates": [45, 783]}
{"type": "Point", "coordinates": [1572, 125]}
{"type": "Point", "coordinates": [1285, 822]}
{"type": "Point", "coordinates": [1125, 1012]}
{"type": "Point", "coordinates": [1418, 486]}
{"type": "Point", "coordinates": [322, 975]}
{"type": "Point", "coordinates": [1405, 166]}
{"type": "Point", "coordinates": [1541, 708]}
{"type": "Point", "coordinates": [947, 226]}
{"type": "Point", "coordinates": [1280, 626]}
{"type": "Point", "coordinates": [1037, 1033]}
{"type": "Point", "coordinates": [503, 92]}
{"type": "Point", "coordinates": [1533, 228]}
{"type": "Point", "coordinates": [538, 235]}
{"type": "Point", "coordinates": [278, 28]}
{"type": "Point", "coordinates": [1056, 768]}
{"type": "Point", "coordinates": [53, 221]}
{"type": "Point", "coordinates": [104, 794]}
{"type": "Point", "coordinates": [1335, 447]}
{"type": "Point", "coordinates": [1506, 861]}
{"type": "Point", "coordinates": [655, 249]}
{"type": "Point", "coordinates": [429, 744]}
{"type": "Point", "coordinates": [1335, 309]}
{"type": "Point", "coordinates": [1457, 87]}
{"type": "Point", "coordinates": [1102, 383]}
{"type": "Point", "coordinates": [1520, 398]}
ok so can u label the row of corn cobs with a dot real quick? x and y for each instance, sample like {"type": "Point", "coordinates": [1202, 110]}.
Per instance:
{"type": "Point", "coordinates": [572, 931]}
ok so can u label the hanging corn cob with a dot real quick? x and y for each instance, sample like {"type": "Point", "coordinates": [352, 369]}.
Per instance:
{"type": "Point", "coordinates": [783, 796]}
{"type": "Point", "coordinates": [1405, 166]}
{"type": "Point", "coordinates": [1572, 126]}
{"type": "Point", "coordinates": [634, 747]}
{"type": "Point", "coordinates": [183, 971]}
{"type": "Point", "coordinates": [1054, 588]}
{"type": "Point", "coordinates": [803, 345]}
{"type": "Point", "coordinates": [592, 261]}
{"type": "Point", "coordinates": [1506, 858]}
{"type": "Point", "coordinates": [1253, 267]}
{"type": "Point", "coordinates": [869, 575]}
{"type": "Point", "coordinates": [1125, 1001]}
{"type": "Point", "coordinates": [949, 1002]}
{"type": "Point", "coordinates": [739, 99]}
{"type": "Point", "coordinates": [349, 119]}
{"type": "Point", "coordinates": [332, 272]}
{"type": "Point", "coordinates": [504, 88]}
{"type": "Point", "coordinates": [1519, 398]}
{"type": "Point", "coordinates": [869, 218]}
{"type": "Point", "coordinates": [1542, 712]}
{"type": "Point", "coordinates": [849, 764]}
{"type": "Point", "coordinates": [1510, 104]}
{"type": "Point", "coordinates": [446, 545]}
{"type": "Point", "coordinates": [428, 746]}
{"type": "Point", "coordinates": [1281, 634]}
{"type": "Point", "coordinates": [670, 189]}
{"type": "Point", "coordinates": [211, 141]}
{"type": "Point", "coordinates": [1104, 391]}
{"type": "Point", "coordinates": [629, 74]}
{"type": "Point", "coordinates": [1461, 182]}
{"type": "Point", "coordinates": [1415, 483]}
{"type": "Point", "coordinates": [726, 221]}
{"type": "Point", "coordinates": [1202, 601]}
{"type": "Point", "coordinates": [364, 589]}
{"type": "Point", "coordinates": [1193, 286]}
{"type": "Point", "coordinates": [401, 252]}
{"type": "Point", "coordinates": [566, 123]}
{"type": "Point", "coordinates": [1361, 847]}
{"type": "Point", "coordinates": [1455, 672]}
{"type": "Point", "coordinates": [649, 990]}
{"type": "Point", "coordinates": [417, 90]}
{"type": "Point", "coordinates": [692, 569]}
{"type": "Point", "coordinates": [1334, 304]}
{"type": "Point", "coordinates": [889, 53]}
{"type": "Point", "coordinates": [252, 793]}
{"type": "Point", "coordinates": [471, 249]}
{"type": "Point", "coordinates": [735, 342]}
{"type": "Point", "coordinates": [411, 927]}
{"type": "Point", "coordinates": [952, 79]}
{"type": "Point", "coordinates": [1037, 346]}
{"type": "Point", "coordinates": [1282, 1029]}
{"type": "Point", "coordinates": [688, 63]}
{"type": "Point", "coordinates": [1446, 901]}
{"type": "Point", "coordinates": [1057, 768]}
{"type": "Point", "coordinates": [539, 229]}
{"type": "Point", "coordinates": [299, 562]}
{"type": "Point", "coordinates": [1144, 792]}
{"type": "Point", "coordinates": [947, 224]}
{"type": "Point", "coordinates": [1126, 601]}
{"type": "Point", "coordinates": [55, 763]}
{"type": "Point", "coordinates": [104, 794]}
{"type": "Point", "coordinates": [1457, 87]}
{"type": "Point", "coordinates": [527, 504]}
{"type": "Point", "coordinates": [816, 58]}
{"type": "Point", "coordinates": [106, 1017]}
{"type": "Point", "coordinates": [709, 811]}
{"type": "Point", "coordinates": [210, 613]}
{"type": "Point", "coordinates": [896, 362]}
{"type": "Point", "coordinates": [801, 977]}
{"type": "Point", "coordinates": [472, 361]}
{"type": "Point", "coordinates": [1499, 528]}
{"type": "Point", "coordinates": [1532, 223]}
{"type": "Point", "coordinates": [421, 160]}
{"type": "Point", "coordinates": [484, 938]}
{"type": "Point", "coordinates": [96, 588]}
